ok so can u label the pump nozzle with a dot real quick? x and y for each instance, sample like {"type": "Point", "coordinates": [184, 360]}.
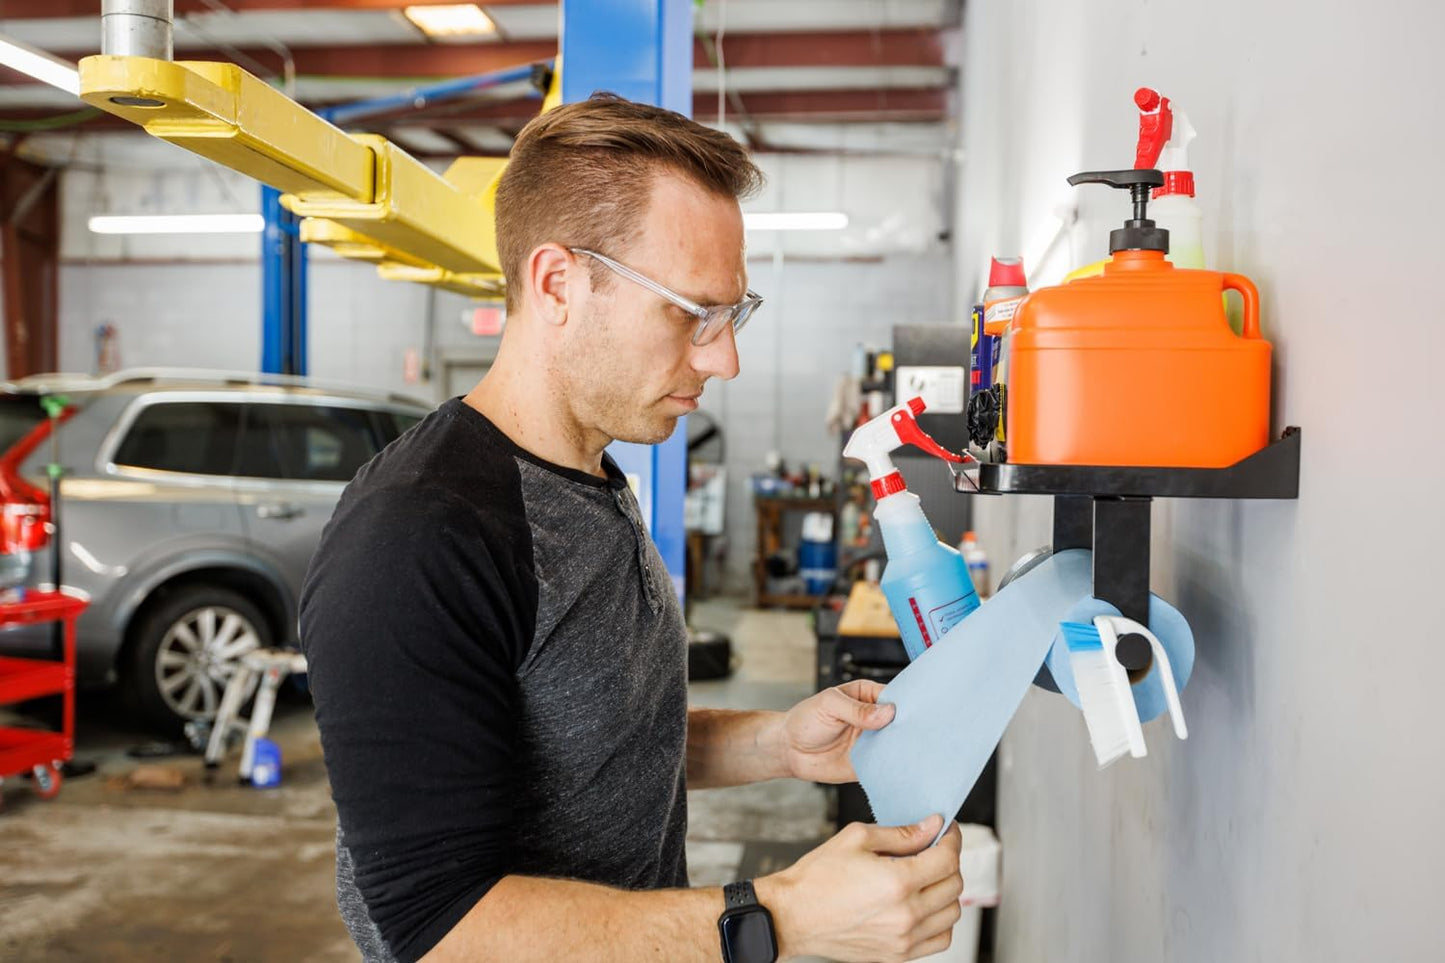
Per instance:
{"type": "Point", "coordinates": [873, 442]}
{"type": "Point", "coordinates": [1139, 233]}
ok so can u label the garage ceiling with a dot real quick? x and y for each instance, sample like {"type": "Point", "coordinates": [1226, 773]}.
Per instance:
{"type": "Point", "coordinates": [791, 65]}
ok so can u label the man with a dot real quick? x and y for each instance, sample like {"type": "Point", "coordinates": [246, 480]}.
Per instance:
{"type": "Point", "coordinates": [496, 653]}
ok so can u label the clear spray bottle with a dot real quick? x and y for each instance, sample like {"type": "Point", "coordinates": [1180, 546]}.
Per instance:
{"type": "Point", "coordinates": [925, 581]}
{"type": "Point", "coordinates": [1164, 136]}
{"type": "Point", "coordinates": [1174, 207]}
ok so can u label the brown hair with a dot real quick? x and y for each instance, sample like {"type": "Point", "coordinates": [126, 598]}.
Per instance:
{"type": "Point", "coordinates": [581, 175]}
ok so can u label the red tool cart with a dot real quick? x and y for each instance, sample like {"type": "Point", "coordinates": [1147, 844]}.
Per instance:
{"type": "Point", "coordinates": [39, 751]}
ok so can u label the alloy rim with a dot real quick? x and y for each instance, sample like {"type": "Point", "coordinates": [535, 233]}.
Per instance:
{"type": "Point", "coordinates": [198, 655]}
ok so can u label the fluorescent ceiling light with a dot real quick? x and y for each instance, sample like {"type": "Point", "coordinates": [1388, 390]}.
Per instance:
{"type": "Point", "coordinates": [795, 221]}
{"type": "Point", "coordinates": [178, 224]}
{"type": "Point", "coordinates": [451, 20]}
{"type": "Point", "coordinates": [40, 65]}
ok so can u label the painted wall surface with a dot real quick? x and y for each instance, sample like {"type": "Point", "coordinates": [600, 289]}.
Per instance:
{"type": "Point", "coordinates": [1301, 820]}
{"type": "Point", "coordinates": [826, 292]}
{"type": "Point", "coordinates": [792, 356]}
{"type": "Point", "coordinates": [209, 315]}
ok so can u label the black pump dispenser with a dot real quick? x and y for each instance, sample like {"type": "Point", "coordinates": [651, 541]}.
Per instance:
{"type": "Point", "coordinates": [1140, 233]}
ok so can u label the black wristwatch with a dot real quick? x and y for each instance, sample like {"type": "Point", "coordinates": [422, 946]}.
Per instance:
{"type": "Point", "coordinates": [746, 926]}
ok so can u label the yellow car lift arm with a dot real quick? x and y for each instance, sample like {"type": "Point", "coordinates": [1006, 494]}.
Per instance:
{"type": "Point", "coordinates": [382, 204]}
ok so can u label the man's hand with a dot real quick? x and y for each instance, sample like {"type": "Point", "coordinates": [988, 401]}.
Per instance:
{"type": "Point", "coordinates": [869, 893]}
{"type": "Point", "coordinates": [816, 735]}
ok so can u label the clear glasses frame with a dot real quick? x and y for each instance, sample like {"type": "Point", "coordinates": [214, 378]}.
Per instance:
{"type": "Point", "coordinates": [711, 319]}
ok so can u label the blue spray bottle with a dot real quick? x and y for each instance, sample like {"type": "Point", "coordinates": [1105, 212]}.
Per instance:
{"type": "Point", "coordinates": [926, 582]}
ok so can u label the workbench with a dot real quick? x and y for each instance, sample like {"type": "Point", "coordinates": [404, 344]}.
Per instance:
{"type": "Point", "coordinates": [771, 512]}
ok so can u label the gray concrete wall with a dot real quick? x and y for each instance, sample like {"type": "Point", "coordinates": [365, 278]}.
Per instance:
{"type": "Point", "coordinates": [792, 356]}
{"type": "Point", "coordinates": [209, 315]}
{"type": "Point", "coordinates": [1301, 820]}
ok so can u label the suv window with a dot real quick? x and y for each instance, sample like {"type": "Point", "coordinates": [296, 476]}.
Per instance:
{"type": "Point", "coordinates": [195, 437]}
{"type": "Point", "coordinates": [306, 442]}
{"type": "Point", "coordinates": [19, 414]}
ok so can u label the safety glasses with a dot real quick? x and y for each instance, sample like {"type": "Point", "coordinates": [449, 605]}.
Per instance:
{"type": "Point", "coordinates": [711, 320]}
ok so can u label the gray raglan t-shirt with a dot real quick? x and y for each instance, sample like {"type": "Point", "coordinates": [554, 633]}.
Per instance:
{"type": "Point", "coordinates": [498, 662]}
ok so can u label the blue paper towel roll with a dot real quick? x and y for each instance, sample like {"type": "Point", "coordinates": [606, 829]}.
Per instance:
{"type": "Point", "coordinates": [955, 700]}
{"type": "Point", "coordinates": [1174, 634]}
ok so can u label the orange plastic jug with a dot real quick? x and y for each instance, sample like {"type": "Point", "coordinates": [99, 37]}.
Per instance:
{"type": "Point", "coordinates": [1137, 366]}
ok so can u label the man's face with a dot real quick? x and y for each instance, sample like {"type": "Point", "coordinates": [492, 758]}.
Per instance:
{"type": "Point", "coordinates": [633, 369]}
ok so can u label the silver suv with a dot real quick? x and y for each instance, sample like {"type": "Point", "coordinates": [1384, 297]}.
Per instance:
{"type": "Point", "coordinates": [190, 505]}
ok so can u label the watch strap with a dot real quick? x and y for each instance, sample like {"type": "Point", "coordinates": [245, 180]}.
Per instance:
{"type": "Point", "coordinates": [740, 894]}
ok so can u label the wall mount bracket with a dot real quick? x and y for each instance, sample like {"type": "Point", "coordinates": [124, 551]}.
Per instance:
{"type": "Point", "coordinates": [1107, 509]}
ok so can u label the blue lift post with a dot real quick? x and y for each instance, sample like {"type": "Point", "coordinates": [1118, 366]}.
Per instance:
{"type": "Point", "coordinates": [283, 289]}
{"type": "Point", "coordinates": [642, 50]}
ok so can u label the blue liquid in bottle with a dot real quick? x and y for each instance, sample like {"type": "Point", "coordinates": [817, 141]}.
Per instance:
{"type": "Point", "coordinates": [926, 582]}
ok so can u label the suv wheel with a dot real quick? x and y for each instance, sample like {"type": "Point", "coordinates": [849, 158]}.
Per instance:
{"type": "Point", "coordinates": [187, 648]}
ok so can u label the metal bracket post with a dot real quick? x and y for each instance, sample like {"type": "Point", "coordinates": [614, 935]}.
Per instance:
{"type": "Point", "coordinates": [1116, 530]}
{"type": "Point", "coordinates": [1073, 522]}
{"type": "Point", "coordinates": [137, 28]}
{"type": "Point", "coordinates": [1121, 569]}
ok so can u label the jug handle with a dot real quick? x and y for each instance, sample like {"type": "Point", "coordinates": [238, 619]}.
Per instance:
{"type": "Point", "coordinates": [1250, 293]}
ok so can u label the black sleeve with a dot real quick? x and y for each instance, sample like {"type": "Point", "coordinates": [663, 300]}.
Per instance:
{"type": "Point", "coordinates": [416, 612]}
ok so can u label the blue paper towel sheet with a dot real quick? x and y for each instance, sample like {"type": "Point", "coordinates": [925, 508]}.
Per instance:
{"type": "Point", "coordinates": [955, 700]}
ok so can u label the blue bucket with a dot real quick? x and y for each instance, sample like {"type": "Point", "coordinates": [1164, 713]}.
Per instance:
{"type": "Point", "coordinates": [818, 564]}
{"type": "Point", "coordinates": [265, 764]}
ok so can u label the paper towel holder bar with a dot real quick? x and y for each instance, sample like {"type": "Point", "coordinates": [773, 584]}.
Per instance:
{"type": "Point", "coordinates": [1271, 472]}
{"type": "Point", "coordinates": [1116, 530]}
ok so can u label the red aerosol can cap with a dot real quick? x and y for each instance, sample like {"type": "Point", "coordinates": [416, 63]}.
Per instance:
{"type": "Point", "coordinates": [1007, 272]}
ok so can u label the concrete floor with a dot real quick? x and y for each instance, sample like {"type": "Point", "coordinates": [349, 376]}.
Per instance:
{"type": "Point", "coordinates": [221, 872]}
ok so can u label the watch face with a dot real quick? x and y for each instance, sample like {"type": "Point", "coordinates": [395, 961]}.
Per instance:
{"type": "Point", "coordinates": [749, 937]}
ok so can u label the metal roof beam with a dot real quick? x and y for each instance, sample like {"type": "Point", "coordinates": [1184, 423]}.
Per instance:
{"type": "Point", "coordinates": [847, 48]}
{"type": "Point", "coordinates": [898, 104]}
{"type": "Point", "coordinates": [844, 106]}
{"type": "Point", "coordinates": [51, 9]}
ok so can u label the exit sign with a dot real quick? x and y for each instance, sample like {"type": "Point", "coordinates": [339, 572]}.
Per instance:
{"type": "Point", "coordinates": [487, 319]}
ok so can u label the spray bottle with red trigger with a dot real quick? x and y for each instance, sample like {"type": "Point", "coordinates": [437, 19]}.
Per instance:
{"type": "Point", "coordinates": [1164, 136]}
{"type": "Point", "coordinates": [926, 582]}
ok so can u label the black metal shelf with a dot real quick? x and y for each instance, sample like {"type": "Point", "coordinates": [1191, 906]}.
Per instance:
{"type": "Point", "coordinates": [1272, 472]}
{"type": "Point", "coordinates": [1107, 510]}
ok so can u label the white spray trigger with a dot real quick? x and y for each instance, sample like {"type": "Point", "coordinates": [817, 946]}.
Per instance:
{"type": "Point", "coordinates": [1111, 627]}
{"type": "Point", "coordinates": [874, 441]}
{"type": "Point", "coordinates": [1175, 156]}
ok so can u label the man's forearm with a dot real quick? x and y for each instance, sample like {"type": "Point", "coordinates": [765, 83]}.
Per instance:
{"type": "Point", "coordinates": [528, 920]}
{"type": "Point", "coordinates": [730, 748]}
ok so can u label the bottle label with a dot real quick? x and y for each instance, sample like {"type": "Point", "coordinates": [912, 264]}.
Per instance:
{"type": "Point", "coordinates": [922, 624]}
{"type": "Point", "coordinates": [942, 618]}
{"type": "Point", "coordinates": [997, 312]}
{"type": "Point", "coordinates": [946, 616]}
